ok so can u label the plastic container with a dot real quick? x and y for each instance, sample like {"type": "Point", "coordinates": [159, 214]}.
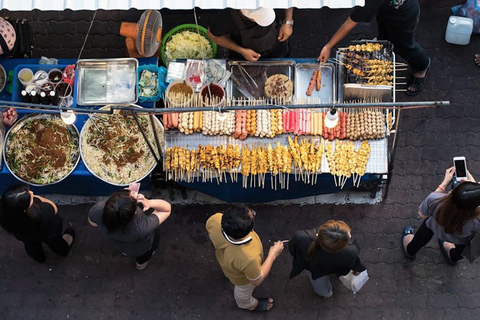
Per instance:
{"type": "Point", "coordinates": [187, 102]}
{"type": "Point", "coordinates": [17, 87]}
{"type": "Point", "coordinates": [186, 27]}
{"type": "Point", "coordinates": [459, 30]}
{"type": "Point", "coordinates": [162, 85]}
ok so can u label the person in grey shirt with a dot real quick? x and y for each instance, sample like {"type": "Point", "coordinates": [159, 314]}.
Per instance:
{"type": "Point", "coordinates": [129, 228]}
{"type": "Point", "coordinates": [452, 217]}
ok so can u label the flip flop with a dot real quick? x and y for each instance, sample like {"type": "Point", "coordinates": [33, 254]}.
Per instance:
{"type": "Point", "coordinates": [70, 232]}
{"type": "Point", "coordinates": [449, 261]}
{"type": "Point", "coordinates": [262, 305]}
{"type": "Point", "coordinates": [408, 230]}
{"type": "Point", "coordinates": [417, 83]}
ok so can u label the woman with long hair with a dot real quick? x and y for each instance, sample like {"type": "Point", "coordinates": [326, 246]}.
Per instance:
{"type": "Point", "coordinates": [452, 217]}
{"type": "Point", "coordinates": [33, 220]}
{"type": "Point", "coordinates": [331, 250]}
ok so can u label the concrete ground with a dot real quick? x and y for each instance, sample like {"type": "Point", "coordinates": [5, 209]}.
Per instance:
{"type": "Point", "coordinates": [183, 280]}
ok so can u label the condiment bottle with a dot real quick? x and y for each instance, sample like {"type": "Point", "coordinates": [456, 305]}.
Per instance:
{"type": "Point", "coordinates": [24, 96]}
{"type": "Point", "coordinates": [34, 97]}
{"type": "Point", "coordinates": [43, 98]}
{"type": "Point", "coordinates": [53, 98]}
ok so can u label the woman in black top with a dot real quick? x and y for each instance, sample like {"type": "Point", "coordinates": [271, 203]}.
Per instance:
{"type": "Point", "coordinates": [331, 251]}
{"type": "Point", "coordinates": [33, 219]}
{"type": "Point", "coordinates": [397, 21]}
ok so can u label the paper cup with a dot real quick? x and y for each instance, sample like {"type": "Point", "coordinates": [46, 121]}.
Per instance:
{"type": "Point", "coordinates": [25, 76]}
{"type": "Point", "coordinates": [55, 75]}
{"type": "Point", "coordinates": [63, 90]}
{"type": "Point", "coordinates": [213, 97]}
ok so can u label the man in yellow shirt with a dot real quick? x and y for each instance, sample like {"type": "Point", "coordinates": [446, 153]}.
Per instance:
{"type": "Point", "coordinates": [239, 252]}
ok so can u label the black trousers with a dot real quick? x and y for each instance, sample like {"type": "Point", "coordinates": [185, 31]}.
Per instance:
{"type": "Point", "coordinates": [51, 235]}
{"type": "Point", "coordinates": [148, 255]}
{"type": "Point", "coordinates": [423, 236]}
{"type": "Point", "coordinates": [403, 39]}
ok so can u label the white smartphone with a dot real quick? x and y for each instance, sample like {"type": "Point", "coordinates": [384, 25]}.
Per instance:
{"type": "Point", "coordinates": [460, 164]}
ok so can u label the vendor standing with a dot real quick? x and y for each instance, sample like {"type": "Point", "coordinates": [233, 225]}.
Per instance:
{"type": "Point", "coordinates": [397, 21]}
{"type": "Point", "coordinates": [252, 33]}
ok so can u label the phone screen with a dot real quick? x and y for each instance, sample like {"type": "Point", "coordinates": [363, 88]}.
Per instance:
{"type": "Point", "coordinates": [460, 168]}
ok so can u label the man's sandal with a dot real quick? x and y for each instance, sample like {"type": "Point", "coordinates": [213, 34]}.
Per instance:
{"type": "Point", "coordinates": [417, 83]}
{"type": "Point", "coordinates": [408, 230]}
{"type": "Point", "coordinates": [262, 305]}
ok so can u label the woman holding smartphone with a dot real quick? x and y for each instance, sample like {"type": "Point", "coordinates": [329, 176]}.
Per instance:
{"type": "Point", "coordinates": [452, 217]}
{"type": "Point", "coordinates": [33, 220]}
{"type": "Point", "coordinates": [132, 230]}
{"type": "Point", "coordinates": [331, 250]}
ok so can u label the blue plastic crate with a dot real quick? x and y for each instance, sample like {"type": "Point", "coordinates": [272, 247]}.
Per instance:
{"type": "Point", "coordinates": [17, 86]}
{"type": "Point", "coordinates": [161, 72]}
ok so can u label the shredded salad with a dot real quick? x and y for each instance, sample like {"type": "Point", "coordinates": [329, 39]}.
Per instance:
{"type": "Point", "coordinates": [188, 45]}
{"type": "Point", "coordinates": [42, 149]}
{"type": "Point", "coordinates": [114, 149]}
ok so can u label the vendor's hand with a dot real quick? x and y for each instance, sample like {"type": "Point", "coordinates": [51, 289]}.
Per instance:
{"type": "Point", "coordinates": [276, 249]}
{"type": "Point", "coordinates": [355, 273]}
{"type": "Point", "coordinates": [285, 32]}
{"type": "Point", "coordinates": [470, 177]}
{"type": "Point", "coordinates": [144, 201]}
{"type": "Point", "coordinates": [250, 55]}
{"type": "Point", "coordinates": [324, 54]}
{"type": "Point", "coordinates": [9, 116]}
{"type": "Point", "coordinates": [448, 177]}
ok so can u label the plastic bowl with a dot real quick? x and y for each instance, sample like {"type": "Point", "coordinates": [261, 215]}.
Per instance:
{"type": "Point", "coordinates": [185, 27]}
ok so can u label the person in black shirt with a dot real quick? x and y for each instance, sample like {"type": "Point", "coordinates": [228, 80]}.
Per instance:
{"type": "Point", "coordinates": [397, 21]}
{"type": "Point", "coordinates": [33, 219]}
{"type": "Point", "coordinates": [252, 34]}
{"type": "Point", "coordinates": [332, 251]}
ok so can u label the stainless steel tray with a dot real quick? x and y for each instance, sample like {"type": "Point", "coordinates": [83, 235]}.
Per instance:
{"type": "Point", "coordinates": [107, 81]}
{"type": "Point", "coordinates": [259, 71]}
{"type": "Point", "coordinates": [303, 75]}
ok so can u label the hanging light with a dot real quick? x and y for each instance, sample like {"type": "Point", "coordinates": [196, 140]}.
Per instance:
{"type": "Point", "coordinates": [68, 116]}
{"type": "Point", "coordinates": [331, 119]}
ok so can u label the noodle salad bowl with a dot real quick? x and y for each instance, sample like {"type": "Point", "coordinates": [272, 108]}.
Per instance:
{"type": "Point", "coordinates": [40, 149]}
{"type": "Point", "coordinates": [114, 150]}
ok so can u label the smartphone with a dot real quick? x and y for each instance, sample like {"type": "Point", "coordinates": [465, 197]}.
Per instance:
{"type": "Point", "coordinates": [134, 188]}
{"type": "Point", "coordinates": [460, 168]}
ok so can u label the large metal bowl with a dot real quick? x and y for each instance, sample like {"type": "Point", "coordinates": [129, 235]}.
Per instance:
{"type": "Point", "coordinates": [18, 125]}
{"type": "Point", "coordinates": [88, 164]}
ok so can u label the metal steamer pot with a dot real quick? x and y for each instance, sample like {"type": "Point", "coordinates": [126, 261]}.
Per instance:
{"type": "Point", "coordinates": [72, 128]}
{"type": "Point", "coordinates": [160, 131]}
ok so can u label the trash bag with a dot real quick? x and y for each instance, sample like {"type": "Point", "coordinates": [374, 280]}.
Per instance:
{"type": "Point", "coordinates": [470, 9]}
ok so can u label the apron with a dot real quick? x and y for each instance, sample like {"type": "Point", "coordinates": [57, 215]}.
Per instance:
{"type": "Point", "coordinates": [256, 38]}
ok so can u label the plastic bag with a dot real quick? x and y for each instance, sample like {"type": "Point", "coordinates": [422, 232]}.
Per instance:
{"type": "Point", "coordinates": [470, 9]}
{"type": "Point", "coordinates": [354, 283]}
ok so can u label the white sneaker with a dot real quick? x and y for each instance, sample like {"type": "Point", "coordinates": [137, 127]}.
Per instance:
{"type": "Point", "coordinates": [141, 266]}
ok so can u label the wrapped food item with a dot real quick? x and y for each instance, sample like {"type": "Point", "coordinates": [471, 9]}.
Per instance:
{"type": "Point", "coordinates": [194, 73]}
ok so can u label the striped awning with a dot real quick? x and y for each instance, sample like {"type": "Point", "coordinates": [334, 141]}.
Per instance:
{"type": "Point", "coordinates": [59, 5]}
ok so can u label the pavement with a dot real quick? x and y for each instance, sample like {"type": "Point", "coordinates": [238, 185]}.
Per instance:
{"type": "Point", "coordinates": [183, 280]}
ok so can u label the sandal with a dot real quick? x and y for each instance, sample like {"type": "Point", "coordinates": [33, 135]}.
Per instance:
{"type": "Point", "coordinates": [417, 83]}
{"type": "Point", "coordinates": [262, 305]}
{"type": "Point", "coordinates": [408, 230]}
{"type": "Point", "coordinates": [446, 255]}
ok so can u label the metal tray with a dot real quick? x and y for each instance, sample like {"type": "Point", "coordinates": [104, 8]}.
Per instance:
{"type": "Point", "coordinates": [107, 81]}
{"type": "Point", "coordinates": [259, 71]}
{"type": "Point", "coordinates": [303, 75]}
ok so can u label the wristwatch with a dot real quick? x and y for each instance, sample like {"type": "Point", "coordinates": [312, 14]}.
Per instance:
{"type": "Point", "coordinates": [288, 22]}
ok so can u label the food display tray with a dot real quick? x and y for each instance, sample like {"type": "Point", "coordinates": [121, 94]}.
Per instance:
{"type": "Point", "coordinates": [303, 75]}
{"type": "Point", "coordinates": [259, 71]}
{"type": "Point", "coordinates": [377, 162]}
{"type": "Point", "coordinates": [107, 81]}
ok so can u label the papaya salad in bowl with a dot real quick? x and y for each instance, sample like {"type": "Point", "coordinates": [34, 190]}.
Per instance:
{"type": "Point", "coordinates": [40, 149]}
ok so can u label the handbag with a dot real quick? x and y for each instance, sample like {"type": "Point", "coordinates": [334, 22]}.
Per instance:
{"type": "Point", "coordinates": [472, 249]}
{"type": "Point", "coordinates": [354, 283]}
